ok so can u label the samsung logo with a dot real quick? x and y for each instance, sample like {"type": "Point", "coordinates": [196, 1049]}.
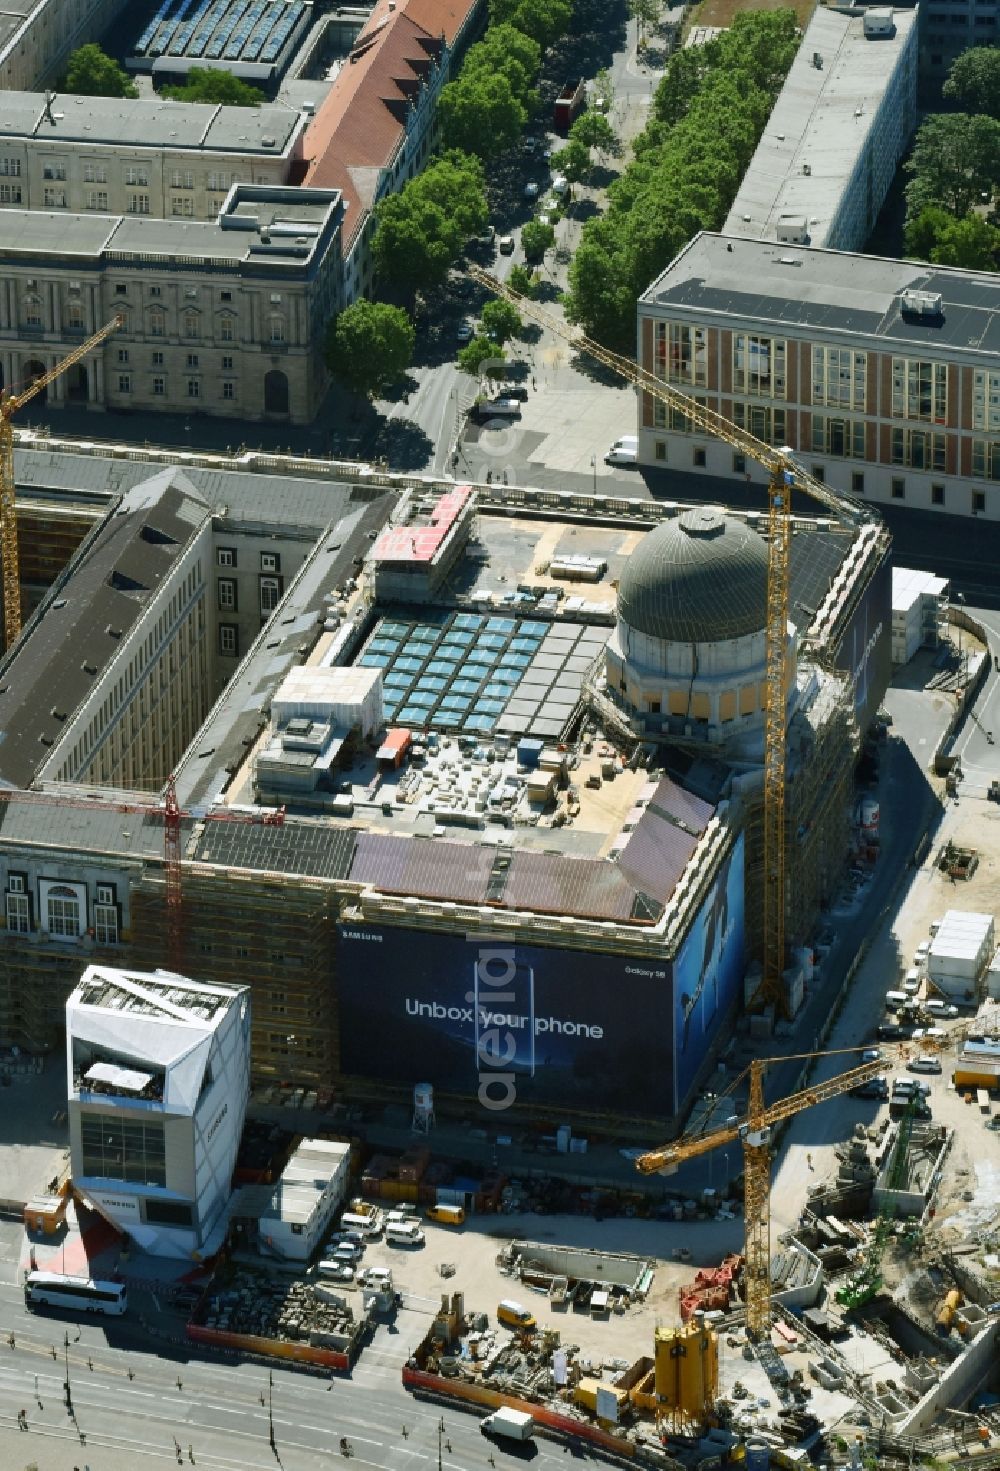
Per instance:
{"type": "Point", "coordinates": [221, 1115]}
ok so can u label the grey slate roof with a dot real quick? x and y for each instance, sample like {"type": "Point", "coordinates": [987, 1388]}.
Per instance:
{"type": "Point", "coordinates": [308, 848]}
{"type": "Point", "coordinates": [699, 578]}
{"type": "Point", "coordinates": [83, 620]}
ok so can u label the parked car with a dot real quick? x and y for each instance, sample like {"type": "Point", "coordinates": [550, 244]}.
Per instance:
{"type": "Point", "coordinates": [560, 184]}
{"type": "Point", "coordinates": [871, 1054]}
{"type": "Point", "coordinates": [875, 1088]}
{"type": "Point", "coordinates": [531, 190]}
{"type": "Point", "coordinates": [464, 332]}
{"type": "Point", "coordinates": [940, 1008]}
{"type": "Point", "coordinates": [924, 1064]}
{"type": "Point", "coordinates": [622, 456]}
{"type": "Point", "coordinates": [335, 1271]}
{"type": "Point", "coordinates": [352, 1238]}
{"type": "Point", "coordinates": [347, 1252]}
{"type": "Point", "coordinates": [907, 1086]}
{"type": "Point", "coordinates": [890, 1032]}
{"type": "Point", "coordinates": [506, 245]}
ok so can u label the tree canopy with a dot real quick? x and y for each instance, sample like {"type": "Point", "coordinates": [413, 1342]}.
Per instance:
{"type": "Point", "coordinates": [423, 229]}
{"type": "Point", "coordinates": [479, 355]}
{"type": "Point", "coordinates": [481, 114]}
{"type": "Point", "coordinates": [593, 130]}
{"type": "Point", "coordinates": [501, 320]}
{"type": "Point", "coordinates": [956, 158]}
{"type": "Point", "coordinates": [974, 81]}
{"type": "Point", "coordinates": [213, 84]}
{"type": "Point", "coordinates": [937, 236]}
{"type": "Point", "coordinates": [369, 345]}
{"type": "Point", "coordinates": [536, 239]}
{"type": "Point", "coordinates": [573, 161]}
{"type": "Point", "coordinates": [544, 20]}
{"type": "Point", "coordinates": [707, 117]}
{"type": "Point", "coordinates": [91, 72]}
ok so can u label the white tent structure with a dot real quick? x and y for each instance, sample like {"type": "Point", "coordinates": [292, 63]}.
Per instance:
{"type": "Point", "coordinates": [158, 1080]}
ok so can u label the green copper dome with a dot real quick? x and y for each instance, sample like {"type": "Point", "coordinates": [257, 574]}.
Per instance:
{"type": "Point", "coordinates": [700, 577]}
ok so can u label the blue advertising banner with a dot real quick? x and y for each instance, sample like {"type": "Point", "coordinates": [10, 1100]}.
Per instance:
{"type": "Point", "coordinates": [505, 1023]}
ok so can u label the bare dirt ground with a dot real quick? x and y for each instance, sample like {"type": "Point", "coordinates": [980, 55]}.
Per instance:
{"type": "Point", "coordinates": [721, 12]}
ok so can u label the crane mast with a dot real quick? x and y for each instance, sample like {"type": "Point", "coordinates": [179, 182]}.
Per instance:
{"type": "Point", "coordinates": [10, 402]}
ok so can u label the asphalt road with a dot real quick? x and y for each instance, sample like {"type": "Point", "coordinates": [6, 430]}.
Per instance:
{"type": "Point", "coordinates": [216, 1407]}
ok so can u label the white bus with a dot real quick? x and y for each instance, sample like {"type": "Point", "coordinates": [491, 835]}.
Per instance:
{"type": "Point", "coordinates": [53, 1289]}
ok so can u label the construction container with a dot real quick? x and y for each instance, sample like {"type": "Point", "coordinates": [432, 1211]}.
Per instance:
{"type": "Point", "coordinates": [585, 1394]}
{"type": "Point", "coordinates": [960, 951]}
{"type": "Point", "coordinates": [529, 752]}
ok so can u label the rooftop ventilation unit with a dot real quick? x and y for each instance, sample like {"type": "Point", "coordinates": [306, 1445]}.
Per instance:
{"type": "Point", "coordinates": [923, 304]}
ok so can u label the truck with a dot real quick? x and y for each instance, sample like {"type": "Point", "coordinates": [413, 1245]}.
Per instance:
{"type": "Point", "coordinates": [509, 1424]}
{"type": "Point", "coordinates": [568, 106]}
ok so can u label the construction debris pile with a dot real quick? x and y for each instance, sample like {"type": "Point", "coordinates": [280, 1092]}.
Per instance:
{"type": "Point", "coordinates": [713, 1289]}
{"type": "Point", "coordinates": [286, 1311]}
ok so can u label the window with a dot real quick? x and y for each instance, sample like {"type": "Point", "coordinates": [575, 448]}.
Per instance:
{"type": "Point", "coordinates": [137, 204]}
{"type": "Point", "coordinates": [225, 556]}
{"type": "Point", "coordinates": [844, 438]}
{"type": "Point", "coordinates": [978, 501]}
{"type": "Point", "coordinates": [123, 1149]}
{"type": "Point", "coordinates": [276, 330]}
{"type": "Point", "coordinates": [227, 365]}
{"type": "Point", "coordinates": [32, 311]}
{"type": "Point", "coordinates": [986, 458]}
{"type": "Point", "coordinates": [182, 207]}
{"type": "Point", "coordinates": [819, 473]}
{"type": "Point", "coordinates": [229, 640]}
{"type": "Point", "coordinates": [54, 198]}
{"type": "Point", "coordinates": [762, 421]}
{"type": "Point", "coordinates": [219, 181]}
{"type": "Point", "coordinates": [674, 419]}
{"type": "Point", "coordinates": [106, 924]}
{"type": "Point", "coordinates": [229, 390]}
{"type": "Point", "coordinates": [124, 383]}
{"type": "Point", "coordinates": [95, 173]}
{"type": "Point", "coordinates": [193, 388]}
{"type": "Point", "coordinates": [680, 353]}
{"type": "Point", "coordinates": [898, 487]}
{"type": "Point", "coordinates": [920, 390]}
{"type": "Point", "coordinates": [16, 883]}
{"type": "Point", "coordinates": [225, 296]}
{"type": "Point", "coordinates": [182, 179]}
{"type": "Point", "coordinates": [739, 463]}
{"type": "Point", "coordinates": [270, 594]}
{"type": "Point", "coordinates": [18, 914]}
{"type": "Point", "coordinates": [985, 400]}
{"type": "Point", "coordinates": [10, 194]}
{"type": "Point", "coordinates": [74, 316]}
{"type": "Point", "coordinates": [660, 451]}
{"type": "Point", "coordinates": [63, 912]}
{"type": "Point", "coordinates": [698, 458]}
{"type": "Point", "coordinates": [53, 170]}
{"type": "Point", "coordinates": [857, 482]}
{"type": "Point", "coordinates": [121, 290]}
{"type": "Point", "coordinates": [758, 365]}
{"type": "Point", "coordinates": [167, 1213]}
{"type": "Point", "coordinates": [10, 168]}
{"type": "Point", "coordinates": [134, 174]}
{"type": "Point", "coordinates": [937, 495]}
{"type": "Point", "coordinates": [155, 291]}
{"type": "Point", "coordinates": [227, 595]}
{"type": "Point", "coordinates": [157, 322]}
{"type": "Point", "coordinates": [159, 385]}
{"type": "Point", "coordinates": [838, 377]}
{"type": "Point", "coordinates": [123, 354]}
{"type": "Point", "coordinates": [270, 562]}
{"type": "Point", "coordinates": [192, 360]}
{"type": "Point", "coordinates": [227, 329]}
{"type": "Point", "coordinates": [919, 449]}
{"type": "Point", "coordinates": [157, 359]}
{"type": "Point", "coordinates": [191, 324]}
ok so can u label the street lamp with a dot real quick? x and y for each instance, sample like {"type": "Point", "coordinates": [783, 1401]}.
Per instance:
{"type": "Point", "coordinates": [66, 1388]}
{"type": "Point", "coordinates": [440, 1438]}
{"type": "Point", "coordinates": [270, 1411]}
{"type": "Point", "coordinates": [593, 466]}
{"type": "Point", "coordinates": [960, 598]}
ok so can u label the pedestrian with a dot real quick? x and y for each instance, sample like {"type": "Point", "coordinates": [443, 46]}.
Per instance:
{"type": "Point", "coordinates": [809, 1160]}
{"type": "Point", "coordinates": [505, 477]}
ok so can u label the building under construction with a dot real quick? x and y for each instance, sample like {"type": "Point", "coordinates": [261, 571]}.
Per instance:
{"type": "Point", "coordinates": [440, 805]}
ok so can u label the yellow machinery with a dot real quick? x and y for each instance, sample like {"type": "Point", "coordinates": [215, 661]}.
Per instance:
{"type": "Point", "coordinates": [755, 1134]}
{"type": "Point", "coordinates": [686, 1375]}
{"type": "Point", "coordinates": [9, 404]}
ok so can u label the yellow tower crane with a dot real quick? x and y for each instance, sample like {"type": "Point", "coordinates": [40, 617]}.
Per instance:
{"type": "Point", "coordinates": [784, 475]}
{"type": "Point", "coordinates": [754, 1132]}
{"type": "Point", "coordinates": [10, 402]}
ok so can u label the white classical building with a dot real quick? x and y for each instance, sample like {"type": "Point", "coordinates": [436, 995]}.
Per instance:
{"type": "Point", "coordinates": [158, 1075]}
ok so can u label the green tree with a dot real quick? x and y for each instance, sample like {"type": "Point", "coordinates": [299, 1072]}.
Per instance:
{"type": "Point", "coordinates": [974, 81]}
{"type": "Point", "coordinates": [543, 20]}
{"type": "Point", "coordinates": [972, 243]}
{"type": "Point", "coordinates": [524, 281]}
{"type": "Point", "coordinates": [955, 158]}
{"type": "Point", "coordinates": [475, 358]}
{"type": "Point", "coordinates": [422, 230]}
{"type": "Point", "coordinates": [573, 161]}
{"type": "Point", "coordinates": [646, 12]}
{"type": "Point", "coordinates": [369, 345]}
{"type": "Point", "coordinates": [536, 239]}
{"type": "Point", "coordinates": [507, 51]}
{"type": "Point", "coordinates": [212, 84]}
{"type": "Point", "coordinates": [90, 72]}
{"type": "Point", "coordinates": [604, 90]}
{"type": "Point", "coordinates": [593, 130]}
{"type": "Point", "coordinates": [501, 320]}
{"type": "Point", "coordinates": [480, 114]}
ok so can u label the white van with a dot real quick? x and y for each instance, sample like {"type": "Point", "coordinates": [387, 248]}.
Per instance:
{"type": "Point", "coordinates": [401, 1217]}
{"type": "Point", "coordinates": [622, 456]}
{"type": "Point", "coordinates": [911, 985]}
{"type": "Point", "coordinates": [367, 1225]}
{"type": "Point", "coordinates": [407, 1233]}
{"type": "Point", "coordinates": [895, 999]}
